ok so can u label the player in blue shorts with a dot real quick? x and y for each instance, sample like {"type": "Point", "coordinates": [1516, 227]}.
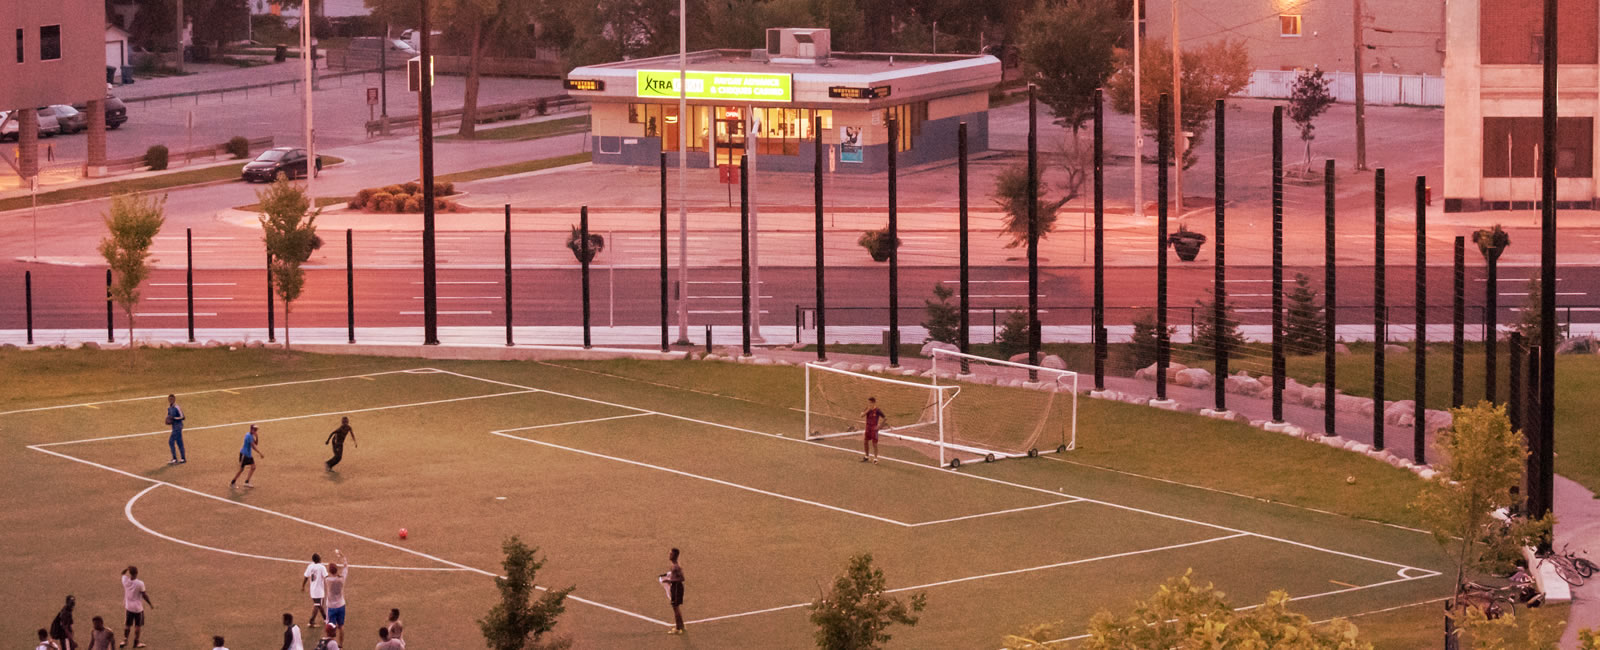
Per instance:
{"type": "Point", "coordinates": [175, 441]}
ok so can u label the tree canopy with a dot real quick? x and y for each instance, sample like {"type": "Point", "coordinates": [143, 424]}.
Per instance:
{"type": "Point", "coordinates": [1211, 72]}
{"type": "Point", "coordinates": [1068, 50]}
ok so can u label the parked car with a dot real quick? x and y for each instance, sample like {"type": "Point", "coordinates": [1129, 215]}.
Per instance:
{"type": "Point", "coordinates": [116, 111]}
{"type": "Point", "coordinates": [366, 52]}
{"type": "Point", "coordinates": [47, 125]}
{"type": "Point", "coordinates": [276, 163]}
{"type": "Point", "coordinates": [69, 118]}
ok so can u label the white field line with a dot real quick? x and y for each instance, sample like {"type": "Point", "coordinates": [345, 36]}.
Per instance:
{"type": "Point", "coordinates": [708, 479]}
{"type": "Point", "coordinates": [1059, 459]}
{"type": "Point", "coordinates": [291, 417]}
{"type": "Point", "coordinates": [346, 533]}
{"type": "Point", "coordinates": [210, 390]}
{"type": "Point", "coordinates": [1020, 486]}
{"type": "Point", "coordinates": [127, 511]}
{"type": "Point", "coordinates": [997, 512]}
{"type": "Point", "coordinates": [577, 422]}
{"type": "Point", "coordinates": [997, 574]}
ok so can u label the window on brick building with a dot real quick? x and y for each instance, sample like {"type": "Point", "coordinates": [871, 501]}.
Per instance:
{"type": "Point", "coordinates": [1289, 25]}
{"type": "Point", "coordinates": [50, 43]}
{"type": "Point", "coordinates": [1511, 147]}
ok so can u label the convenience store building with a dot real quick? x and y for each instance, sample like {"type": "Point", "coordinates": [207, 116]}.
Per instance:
{"type": "Point", "coordinates": [767, 99]}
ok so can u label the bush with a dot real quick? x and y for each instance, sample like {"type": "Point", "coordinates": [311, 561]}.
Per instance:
{"type": "Point", "coordinates": [944, 319]}
{"type": "Point", "coordinates": [239, 146]}
{"type": "Point", "coordinates": [383, 203]}
{"type": "Point", "coordinates": [444, 189]}
{"type": "Point", "coordinates": [413, 204]}
{"type": "Point", "coordinates": [1144, 343]}
{"type": "Point", "coordinates": [412, 187]}
{"type": "Point", "coordinates": [877, 244]}
{"type": "Point", "coordinates": [361, 198]}
{"type": "Point", "coordinates": [156, 157]}
{"type": "Point", "coordinates": [542, 106]}
{"type": "Point", "coordinates": [1013, 338]}
{"type": "Point", "coordinates": [395, 189]}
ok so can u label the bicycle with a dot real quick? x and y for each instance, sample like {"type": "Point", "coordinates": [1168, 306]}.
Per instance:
{"type": "Point", "coordinates": [1579, 563]}
{"type": "Point", "coordinates": [1567, 566]}
{"type": "Point", "coordinates": [1494, 602]}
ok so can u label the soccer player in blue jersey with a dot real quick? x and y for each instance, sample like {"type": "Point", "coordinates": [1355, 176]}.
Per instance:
{"type": "Point", "coordinates": [175, 441]}
{"type": "Point", "coordinates": [247, 457]}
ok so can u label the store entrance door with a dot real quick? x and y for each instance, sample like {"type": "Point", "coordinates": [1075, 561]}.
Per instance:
{"type": "Point", "coordinates": [729, 138]}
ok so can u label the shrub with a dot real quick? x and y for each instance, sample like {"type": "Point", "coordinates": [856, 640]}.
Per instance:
{"type": "Point", "coordinates": [944, 319]}
{"type": "Point", "coordinates": [1144, 344]}
{"type": "Point", "coordinates": [412, 187]}
{"type": "Point", "coordinates": [542, 106]}
{"type": "Point", "coordinates": [156, 157]}
{"type": "Point", "coordinates": [383, 203]}
{"type": "Point", "coordinates": [353, 204]}
{"type": "Point", "coordinates": [444, 189]}
{"type": "Point", "coordinates": [877, 244]}
{"type": "Point", "coordinates": [361, 198]}
{"type": "Point", "coordinates": [1013, 337]}
{"type": "Point", "coordinates": [413, 204]}
{"type": "Point", "coordinates": [239, 146]}
{"type": "Point", "coordinates": [395, 189]}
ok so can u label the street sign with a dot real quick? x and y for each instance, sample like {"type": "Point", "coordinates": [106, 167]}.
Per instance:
{"type": "Point", "coordinates": [372, 96]}
{"type": "Point", "coordinates": [728, 174]}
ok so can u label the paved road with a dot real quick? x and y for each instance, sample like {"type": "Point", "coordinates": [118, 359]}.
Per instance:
{"type": "Point", "coordinates": [73, 297]}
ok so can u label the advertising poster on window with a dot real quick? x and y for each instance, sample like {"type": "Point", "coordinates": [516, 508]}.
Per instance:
{"type": "Point", "coordinates": [850, 144]}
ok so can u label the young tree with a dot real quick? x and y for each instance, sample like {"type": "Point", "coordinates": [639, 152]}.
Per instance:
{"type": "Point", "coordinates": [131, 227]}
{"type": "Point", "coordinates": [1210, 73]}
{"type": "Point", "coordinates": [1532, 323]}
{"type": "Point", "coordinates": [289, 227]}
{"type": "Point", "coordinates": [944, 319]}
{"type": "Point", "coordinates": [1014, 333]}
{"type": "Point", "coordinates": [1143, 343]}
{"type": "Point", "coordinates": [1183, 614]}
{"type": "Point", "coordinates": [1308, 98]}
{"type": "Point", "coordinates": [1484, 461]}
{"type": "Point", "coordinates": [856, 613]}
{"type": "Point", "coordinates": [1207, 333]}
{"type": "Point", "coordinates": [1011, 195]}
{"type": "Point", "coordinates": [518, 622]}
{"type": "Point", "coordinates": [1303, 327]}
{"type": "Point", "coordinates": [1068, 49]}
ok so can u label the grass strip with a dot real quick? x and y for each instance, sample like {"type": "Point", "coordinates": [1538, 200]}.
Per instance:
{"type": "Point", "coordinates": [514, 168]}
{"type": "Point", "coordinates": [146, 184]}
{"type": "Point", "coordinates": [531, 131]}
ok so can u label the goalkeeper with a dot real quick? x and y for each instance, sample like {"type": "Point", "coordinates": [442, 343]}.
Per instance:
{"type": "Point", "coordinates": [869, 440]}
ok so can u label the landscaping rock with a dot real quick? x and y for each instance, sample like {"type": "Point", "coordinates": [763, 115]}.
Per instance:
{"type": "Point", "coordinates": [254, 344]}
{"type": "Point", "coordinates": [930, 346]}
{"type": "Point", "coordinates": [1438, 420]}
{"type": "Point", "coordinates": [876, 367]}
{"type": "Point", "coordinates": [1147, 373]}
{"type": "Point", "coordinates": [1021, 357]}
{"type": "Point", "coordinates": [1194, 377]}
{"type": "Point", "coordinates": [1427, 474]}
{"type": "Point", "coordinates": [763, 361]}
{"type": "Point", "coordinates": [91, 345]}
{"type": "Point", "coordinates": [1395, 349]}
{"type": "Point", "coordinates": [1172, 370]}
{"type": "Point", "coordinates": [1243, 385]}
{"type": "Point", "coordinates": [1399, 413]}
{"type": "Point", "coordinates": [1579, 345]}
{"type": "Point", "coordinates": [1341, 349]}
{"type": "Point", "coordinates": [1053, 362]}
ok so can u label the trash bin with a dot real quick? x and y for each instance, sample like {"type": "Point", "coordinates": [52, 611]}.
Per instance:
{"type": "Point", "coordinates": [280, 54]}
{"type": "Point", "coordinates": [111, 74]}
{"type": "Point", "coordinates": [127, 74]}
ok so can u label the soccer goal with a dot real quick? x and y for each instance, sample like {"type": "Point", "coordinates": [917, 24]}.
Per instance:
{"type": "Point", "coordinates": [1038, 414]}
{"type": "Point", "coordinates": [913, 411]}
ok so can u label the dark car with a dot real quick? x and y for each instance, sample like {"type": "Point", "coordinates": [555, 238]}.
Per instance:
{"type": "Point", "coordinates": [116, 111]}
{"type": "Point", "coordinates": [69, 118]}
{"type": "Point", "coordinates": [276, 163]}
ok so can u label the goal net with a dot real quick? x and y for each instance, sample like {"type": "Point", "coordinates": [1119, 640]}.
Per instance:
{"type": "Point", "coordinates": [1011, 408]}
{"type": "Point", "coordinates": [837, 399]}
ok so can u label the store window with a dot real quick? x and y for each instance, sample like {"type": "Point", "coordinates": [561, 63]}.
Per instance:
{"type": "Point", "coordinates": [50, 43]}
{"type": "Point", "coordinates": [783, 129]}
{"type": "Point", "coordinates": [661, 121]}
{"type": "Point", "coordinates": [909, 118]}
{"type": "Point", "coordinates": [1289, 25]}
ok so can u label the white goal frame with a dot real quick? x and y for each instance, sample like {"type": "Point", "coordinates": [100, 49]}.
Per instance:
{"type": "Point", "coordinates": [1061, 381]}
{"type": "Point", "coordinates": [944, 395]}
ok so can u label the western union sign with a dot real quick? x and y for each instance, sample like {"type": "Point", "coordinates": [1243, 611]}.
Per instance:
{"type": "Point", "coordinates": [734, 86]}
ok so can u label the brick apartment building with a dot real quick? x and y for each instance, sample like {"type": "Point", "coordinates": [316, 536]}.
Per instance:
{"type": "Point", "coordinates": [54, 54]}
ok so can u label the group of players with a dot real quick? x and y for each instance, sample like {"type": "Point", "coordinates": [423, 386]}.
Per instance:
{"type": "Point", "coordinates": [250, 451]}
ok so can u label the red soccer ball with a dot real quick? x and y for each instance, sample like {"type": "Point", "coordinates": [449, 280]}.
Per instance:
{"type": "Point", "coordinates": [403, 533]}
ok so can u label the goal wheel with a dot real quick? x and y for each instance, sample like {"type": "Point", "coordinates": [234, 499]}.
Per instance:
{"type": "Point", "coordinates": [1033, 453]}
{"type": "Point", "coordinates": [1061, 449]}
{"type": "Point", "coordinates": [955, 463]}
{"type": "Point", "coordinates": [988, 458]}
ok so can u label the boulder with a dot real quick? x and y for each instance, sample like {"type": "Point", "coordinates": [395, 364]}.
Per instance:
{"type": "Point", "coordinates": [213, 343]}
{"type": "Point", "coordinates": [1395, 349]}
{"type": "Point", "coordinates": [1579, 345]}
{"type": "Point", "coordinates": [1427, 474]}
{"type": "Point", "coordinates": [930, 346]}
{"type": "Point", "coordinates": [1350, 403]}
{"type": "Point", "coordinates": [1021, 357]}
{"type": "Point", "coordinates": [1243, 385]}
{"type": "Point", "coordinates": [1054, 362]}
{"type": "Point", "coordinates": [876, 367]}
{"type": "Point", "coordinates": [1146, 373]}
{"type": "Point", "coordinates": [1195, 377]}
{"type": "Point", "coordinates": [91, 345]}
{"type": "Point", "coordinates": [1399, 413]}
{"type": "Point", "coordinates": [1438, 420]}
{"type": "Point", "coordinates": [1341, 349]}
{"type": "Point", "coordinates": [1172, 370]}
{"type": "Point", "coordinates": [8, 346]}
{"type": "Point", "coordinates": [762, 361]}
{"type": "Point", "coordinates": [254, 344]}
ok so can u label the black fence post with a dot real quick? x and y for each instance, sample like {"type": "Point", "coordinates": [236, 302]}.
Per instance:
{"type": "Point", "coordinates": [1491, 328]}
{"type": "Point", "coordinates": [110, 335]}
{"type": "Point", "coordinates": [1458, 350]}
{"type": "Point", "coordinates": [1219, 291]}
{"type": "Point", "coordinates": [1547, 272]}
{"type": "Point", "coordinates": [744, 254]}
{"type": "Point", "coordinates": [583, 262]}
{"type": "Point", "coordinates": [821, 263]}
{"type": "Point", "coordinates": [350, 282]}
{"type": "Point", "coordinates": [1098, 322]}
{"type": "Point", "coordinates": [1380, 326]}
{"type": "Point", "coordinates": [1277, 264]}
{"type": "Point", "coordinates": [1035, 330]}
{"type": "Point", "coordinates": [1514, 387]}
{"type": "Point", "coordinates": [510, 309]}
{"type": "Point", "coordinates": [188, 277]}
{"type": "Point", "coordinates": [894, 248]}
{"type": "Point", "coordinates": [1162, 152]}
{"type": "Point", "coordinates": [27, 297]}
{"type": "Point", "coordinates": [965, 278]}
{"type": "Point", "coordinates": [1419, 410]}
{"type": "Point", "coordinates": [1330, 369]}
{"type": "Point", "coordinates": [272, 328]}
{"type": "Point", "coordinates": [1531, 423]}
{"type": "Point", "coordinates": [665, 343]}
{"type": "Point", "coordinates": [708, 339]}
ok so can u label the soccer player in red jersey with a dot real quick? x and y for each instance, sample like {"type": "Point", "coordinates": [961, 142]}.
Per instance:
{"type": "Point", "coordinates": [874, 419]}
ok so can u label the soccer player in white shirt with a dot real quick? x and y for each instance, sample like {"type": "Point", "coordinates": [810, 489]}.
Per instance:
{"type": "Point", "coordinates": [315, 581]}
{"type": "Point", "coordinates": [134, 599]}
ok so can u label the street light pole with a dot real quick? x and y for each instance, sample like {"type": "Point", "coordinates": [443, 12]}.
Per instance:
{"type": "Point", "coordinates": [430, 278]}
{"type": "Point", "coordinates": [683, 172]}
{"type": "Point", "coordinates": [1138, 121]}
{"type": "Point", "coordinates": [307, 64]}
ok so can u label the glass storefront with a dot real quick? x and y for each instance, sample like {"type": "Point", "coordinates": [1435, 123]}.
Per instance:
{"type": "Point", "coordinates": [781, 129]}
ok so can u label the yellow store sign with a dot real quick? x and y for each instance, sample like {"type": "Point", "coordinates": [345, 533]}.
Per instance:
{"type": "Point", "coordinates": [733, 86]}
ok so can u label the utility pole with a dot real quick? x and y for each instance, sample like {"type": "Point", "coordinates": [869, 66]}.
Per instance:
{"type": "Point", "coordinates": [1180, 143]}
{"type": "Point", "coordinates": [683, 171]}
{"type": "Point", "coordinates": [311, 143]}
{"type": "Point", "coordinates": [179, 35]}
{"type": "Point", "coordinates": [1359, 30]}
{"type": "Point", "coordinates": [430, 274]}
{"type": "Point", "coordinates": [383, 81]}
{"type": "Point", "coordinates": [1138, 121]}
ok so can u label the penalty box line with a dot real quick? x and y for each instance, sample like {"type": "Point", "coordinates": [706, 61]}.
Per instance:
{"type": "Point", "coordinates": [739, 486]}
{"type": "Point", "coordinates": [1403, 570]}
{"type": "Point", "coordinates": [346, 533]}
{"type": "Point", "coordinates": [215, 390]}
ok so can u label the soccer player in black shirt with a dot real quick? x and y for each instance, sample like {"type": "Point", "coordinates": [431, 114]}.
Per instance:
{"type": "Point", "coordinates": [337, 440]}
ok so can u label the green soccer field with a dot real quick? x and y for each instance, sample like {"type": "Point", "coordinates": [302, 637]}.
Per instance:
{"type": "Point", "coordinates": [604, 466]}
